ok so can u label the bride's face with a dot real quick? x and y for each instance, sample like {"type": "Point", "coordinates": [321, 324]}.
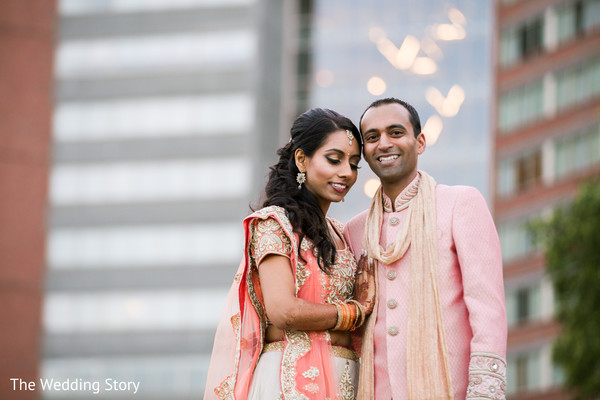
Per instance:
{"type": "Point", "coordinates": [333, 168]}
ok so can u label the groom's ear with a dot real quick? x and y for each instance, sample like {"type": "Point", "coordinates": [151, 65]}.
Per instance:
{"type": "Point", "coordinates": [421, 143]}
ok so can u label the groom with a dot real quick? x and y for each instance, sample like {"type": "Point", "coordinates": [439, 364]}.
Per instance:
{"type": "Point", "coordinates": [439, 329]}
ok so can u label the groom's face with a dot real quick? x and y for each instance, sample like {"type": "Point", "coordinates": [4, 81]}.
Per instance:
{"type": "Point", "coordinates": [390, 146]}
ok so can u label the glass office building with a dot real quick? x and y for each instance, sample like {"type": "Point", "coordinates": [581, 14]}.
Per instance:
{"type": "Point", "coordinates": [436, 55]}
{"type": "Point", "coordinates": [154, 116]}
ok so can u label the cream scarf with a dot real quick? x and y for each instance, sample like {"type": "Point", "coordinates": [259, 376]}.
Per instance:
{"type": "Point", "coordinates": [428, 373]}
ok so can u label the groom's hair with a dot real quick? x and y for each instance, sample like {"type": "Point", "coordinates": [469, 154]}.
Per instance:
{"type": "Point", "coordinates": [414, 115]}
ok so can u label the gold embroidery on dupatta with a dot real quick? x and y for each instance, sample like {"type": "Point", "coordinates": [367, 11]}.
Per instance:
{"type": "Point", "coordinates": [311, 388]}
{"type": "Point", "coordinates": [298, 345]}
{"type": "Point", "coordinates": [311, 373]}
{"type": "Point", "coordinates": [225, 390]}
{"type": "Point", "coordinates": [256, 302]}
{"type": "Point", "coordinates": [346, 386]}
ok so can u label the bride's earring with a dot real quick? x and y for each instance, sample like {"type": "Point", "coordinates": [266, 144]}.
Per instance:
{"type": "Point", "coordinates": [300, 178]}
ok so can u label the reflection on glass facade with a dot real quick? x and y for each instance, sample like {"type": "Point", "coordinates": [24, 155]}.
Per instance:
{"type": "Point", "coordinates": [434, 54]}
{"type": "Point", "coordinates": [148, 246]}
{"type": "Point", "coordinates": [78, 7]}
{"type": "Point", "coordinates": [123, 182]}
{"type": "Point", "coordinates": [167, 376]}
{"type": "Point", "coordinates": [115, 311]}
{"type": "Point", "coordinates": [154, 53]}
{"type": "Point", "coordinates": [145, 117]}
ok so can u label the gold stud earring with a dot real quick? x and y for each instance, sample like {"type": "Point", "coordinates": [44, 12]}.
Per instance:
{"type": "Point", "coordinates": [300, 178]}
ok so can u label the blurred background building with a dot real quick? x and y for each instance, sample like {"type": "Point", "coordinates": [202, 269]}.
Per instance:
{"type": "Point", "coordinates": [154, 145]}
{"type": "Point", "coordinates": [26, 57]}
{"type": "Point", "coordinates": [167, 114]}
{"type": "Point", "coordinates": [547, 140]}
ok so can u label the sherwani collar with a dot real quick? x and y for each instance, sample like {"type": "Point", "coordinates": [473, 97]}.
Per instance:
{"type": "Point", "coordinates": [404, 198]}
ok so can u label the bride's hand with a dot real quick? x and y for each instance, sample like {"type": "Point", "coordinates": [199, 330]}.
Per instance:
{"type": "Point", "coordinates": [364, 285]}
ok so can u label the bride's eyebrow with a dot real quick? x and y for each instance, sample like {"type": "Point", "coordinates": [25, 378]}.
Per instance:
{"type": "Point", "coordinates": [340, 152]}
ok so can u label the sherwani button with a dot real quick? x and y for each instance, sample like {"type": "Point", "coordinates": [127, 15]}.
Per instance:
{"type": "Point", "coordinates": [392, 303]}
{"type": "Point", "coordinates": [393, 330]}
{"type": "Point", "coordinates": [394, 221]}
{"type": "Point", "coordinates": [391, 274]}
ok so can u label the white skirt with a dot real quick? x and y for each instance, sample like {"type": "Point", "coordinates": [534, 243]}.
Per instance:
{"type": "Point", "coordinates": [266, 382]}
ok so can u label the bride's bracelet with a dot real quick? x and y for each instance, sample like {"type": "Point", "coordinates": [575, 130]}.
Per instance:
{"type": "Point", "coordinates": [350, 316]}
{"type": "Point", "coordinates": [361, 314]}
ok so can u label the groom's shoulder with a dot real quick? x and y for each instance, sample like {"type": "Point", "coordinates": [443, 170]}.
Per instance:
{"type": "Point", "coordinates": [357, 221]}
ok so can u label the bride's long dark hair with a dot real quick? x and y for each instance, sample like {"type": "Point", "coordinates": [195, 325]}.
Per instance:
{"type": "Point", "coordinates": [309, 132]}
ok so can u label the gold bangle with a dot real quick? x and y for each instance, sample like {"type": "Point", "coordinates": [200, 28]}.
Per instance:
{"type": "Point", "coordinates": [339, 317]}
{"type": "Point", "coordinates": [360, 314]}
{"type": "Point", "coordinates": [345, 317]}
{"type": "Point", "coordinates": [351, 316]}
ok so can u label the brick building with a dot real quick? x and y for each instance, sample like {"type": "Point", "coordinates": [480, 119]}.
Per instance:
{"type": "Point", "coordinates": [26, 51]}
{"type": "Point", "coordinates": [547, 141]}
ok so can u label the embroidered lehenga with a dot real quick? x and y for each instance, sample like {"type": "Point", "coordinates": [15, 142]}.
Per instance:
{"type": "Point", "coordinates": [303, 365]}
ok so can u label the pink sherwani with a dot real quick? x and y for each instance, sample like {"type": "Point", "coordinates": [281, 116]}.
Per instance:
{"type": "Point", "coordinates": [471, 295]}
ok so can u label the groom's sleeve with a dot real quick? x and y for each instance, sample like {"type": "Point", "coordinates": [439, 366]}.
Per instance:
{"type": "Point", "coordinates": [480, 258]}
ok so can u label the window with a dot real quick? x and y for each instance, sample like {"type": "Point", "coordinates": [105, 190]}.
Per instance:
{"type": "Point", "coordinates": [578, 151]}
{"type": "Point", "coordinates": [144, 246]}
{"type": "Point", "coordinates": [515, 238]}
{"type": "Point", "coordinates": [506, 177]}
{"type": "Point", "coordinates": [530, 38]}
{"type": "Point", "coordinates": [522, 42]}
{"type": "Point", "coordinates": [78, 7]}
{"type": "Point", "coordinates": [531, 369]}
{"type": "Point", "coordinates": [524, 304]}
{"type": "Point", "coordinates": [165, 376]}
{"type": "Point", "coordinates": [576, 18]}
{"type": "Point", "coordinates": [508, 48]}
{"type": "Point", "coordinates": [529, 170]}
{"type": "Point", "coordinates": [154, 117]}
{"type": "Point", "coordinates": [578, 83]}
{"type": "Point", "coordinates": [133, 310]}
{"type": "Point", "coordinates": [113, 57]}
{"type": "Point", "coordinates": [520, 173]}
{"type": "Point", "coordinates": [523, 371]}
{"type": "Point", "coordinates": [142, 182]}
{"type": "Point", "coordinates": [521, 106]}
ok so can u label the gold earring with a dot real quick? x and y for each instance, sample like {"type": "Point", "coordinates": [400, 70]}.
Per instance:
{"type": "Point", "coordinates": [300, 178]}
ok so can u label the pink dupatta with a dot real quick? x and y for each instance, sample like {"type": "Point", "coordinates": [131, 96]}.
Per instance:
{"type": "Point", "coordinates": [306, 367]}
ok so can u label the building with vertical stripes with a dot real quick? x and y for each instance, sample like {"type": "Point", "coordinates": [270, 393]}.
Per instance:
{"type": "Point", "coordinates": [547, 141]}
